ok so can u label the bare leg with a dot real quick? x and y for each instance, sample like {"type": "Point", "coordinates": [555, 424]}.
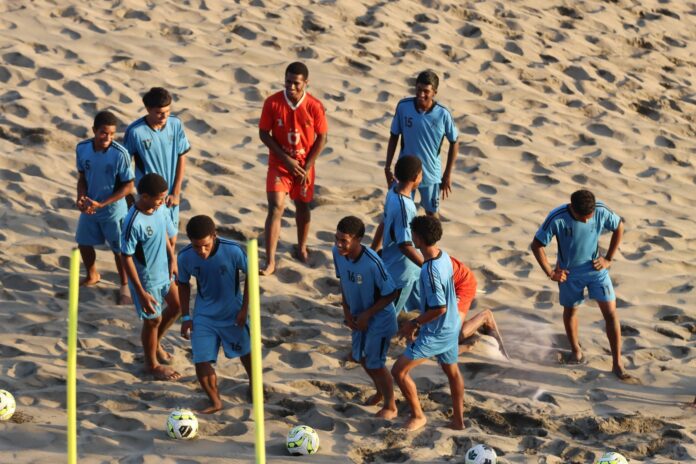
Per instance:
{"type": "Point", "coordinates": [276, 205]}
{"type": "Point", "coordinates": [208, 380]}
{"type": "Point", "coordinates": [457, 391]}
{"type": "Point", "coordinates": [570, 321]}
{"type": "Point", "coordinates": [385, 389]}
{"type": "Point", "coordinates": [613, 329]}
{"type": "Point", "coordinates": [484, 320]}
{"type": "Point", "coordinates": [170, 314]}
{"type": "Point", "coordinates": [377, 397]}
{"type": "Point", "coordinates": [150, 343]}
{"type": "Point", "coordinates": [246, 362]}
{"type": "Point", "coordinates": [400, 371]}
{"type": "Point", "coordinates": [89, 258]}
{"type": "Point", "coordinates": [302, 218]}
{"type": "Point", "coordinates": [124, 297]}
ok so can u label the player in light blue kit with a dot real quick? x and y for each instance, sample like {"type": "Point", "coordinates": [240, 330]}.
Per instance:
{"type": "Point", "coordinates": [148, 258]}
{"type": "Point", "coordinates": [423, 124]}
{"type": "Point", "coordinates": [367, 294]}
{"type": "Point", "coordinates": [104, 179]}
{"type": "Point", "coordinates": [438, 325]}
{"type": "Point", "coordinates": [577, 227]}
{"type": "Point", "coordinates": [220, 312]}
{"type": "Point", "coordinates": [157, 143]}
{"type": "Point", "coordinates": [398, 253]}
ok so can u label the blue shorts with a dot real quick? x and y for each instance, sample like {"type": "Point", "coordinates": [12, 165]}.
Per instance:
{"type": "Point", "coordinates": [444, 347]}
{"type": "Point", "coordinates": [372, 345]}
{"type": "Point", "coordinates": [91, 232]}
{"type": "Point", "coordinates": [206, 338]}
{"type": "Point", "coordinates": [429, 197]}
{"type": "Point", "coordinates": [409, 297]}
{"type": "Point", "coordinates": [174, 211]}
{"type": "Point", "coordinates": [598, 283]}
{"type": "Point", "coordinates": [158, 292]}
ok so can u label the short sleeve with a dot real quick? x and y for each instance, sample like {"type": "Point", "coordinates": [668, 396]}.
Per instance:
{"type": "Point", "coordinates": [182, 140]}
{"type": "Point", "coordinates": [78, 162]}
{"type": "Point", "coordinates": [402, 225]}
{"type": "Point", "coordinates": [396, 123]}
{"type": "Point", "coordinates": [241, 261]}
{"type": "Point", "coordinates": [124, 169]}
{"type": "Point", "coordinates": [451, 131]}
{"type": "Point", "coordinates": [266, 120]}
{"type": "Point", "coordinates": [434, 293]}
{"type": "Point", "coordinates": [611, 220]}
{"type": "Point", "coordinates": [171, 229]}
{"type": "Point", "coordinates": [382, 279]}
{"type": "Point", "coordinates": [130, 143]}
{"type": "Point", "coordinates": [184, 276]}
{"type": "Point", "coordinates": [129, 240]}
{"type": "Point", "coordinates": [546, 231]}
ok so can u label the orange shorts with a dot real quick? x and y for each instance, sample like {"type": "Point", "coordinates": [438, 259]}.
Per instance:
{"type": "Point", "coordinates": [280, 180]}
{"type": "Point", "coordinates": [465, 296]}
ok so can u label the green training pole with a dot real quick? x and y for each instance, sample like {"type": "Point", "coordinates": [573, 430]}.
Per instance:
{"type": "Point", "coordinates": [256, 371]}
{"type": "Point", "coordinates": [72, 355]}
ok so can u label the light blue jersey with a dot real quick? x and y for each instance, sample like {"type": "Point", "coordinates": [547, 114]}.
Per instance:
{"type": "Point", "coordinates": [399, 210]}
{"type": "Point", "coordinates": [422, 134]}
{"type": "Point", "coordinates": [578, 242]}
{"type": "Point", "coordinates": [363, 282]}
{"type": "Point", "coordinates": [156, 151]}
{"type": "Point", "coordinates": [437, 290]}
{"type": "Point", "coordinates": [144, 237]}
{"type": "Point", "coordinates": [219, 296]}
{"type": "Point", "coordinates": [105, 172]}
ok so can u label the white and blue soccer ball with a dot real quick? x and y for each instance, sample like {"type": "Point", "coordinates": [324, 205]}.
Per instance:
{"type": "Point", "coordinates": [611, 458]}
{"type": "Point", "coordinates": [302, 440]}
{"type": "Point", "coordinates": [7, 405]}
{"type": "Point", "coordinates": [182, 424]}
{"type": "Point", "coordinates": [481, 454]}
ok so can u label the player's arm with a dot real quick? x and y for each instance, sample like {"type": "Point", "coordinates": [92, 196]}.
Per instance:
{"type": "Point", "coordinates": [391, 150]}
{"type": "Point", "coordinates": [81, 191]}
{"type": "Point", "coordinates": [121, 192]}
{"type": "Point", "coordinates": [557, 274]}
{"type": "Point", "coordinates": [173, 263]}
{"type": "Point", "coordinates": [244, 311]}
{"type": "Point", "coordinates": [446, 183]}
{"type": "Point", "coordinates": [147, 301]}
{"type": "Point", "coordinates": [377, 239]}
{"type": "Point", "coordinates": [290, 163]}
{"type": "Point", "coordinates": [347, 316]}
{"type": "Point", "coordinates": [411, 253]}
{"type": "Point", "coordinates": [616, 236]}
{"type": "Point", "coordinates": [381, 303]}
{"type": "Point", "coordinates": [175, 197]}
{"type": "Point", "coordinates": [317, 147]}
{"type": "Point", "coordinates": [184, 289]}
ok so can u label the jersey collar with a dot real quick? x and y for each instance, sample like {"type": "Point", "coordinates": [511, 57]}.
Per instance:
{"type": "Point", "coordinates": [299, 102]}
{"type": "Point", "coordinates": [415, 105]}
{"type": "Point", "coordinates": [215, 248]}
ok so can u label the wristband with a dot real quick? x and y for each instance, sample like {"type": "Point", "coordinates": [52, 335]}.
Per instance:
{"type": "Point", "coordinates": [185, 318]}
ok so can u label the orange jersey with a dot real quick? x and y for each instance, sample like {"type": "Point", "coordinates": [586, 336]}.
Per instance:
{"type": "Point", "coordinates": [295, 128]}
{"type": "Point", "coordinates": [464, 280]}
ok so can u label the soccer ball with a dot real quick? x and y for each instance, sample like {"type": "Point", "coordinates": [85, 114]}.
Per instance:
{"type": "Point", "coordinates": [481, 454]}
{"type": "Point", "coordinates": [182, 424]}
{"type": "Point", "coordinates": [7, 405]}
{"type": "Point", "coordinates": [612, 458]}
{"type": "Point", "coordinates": [302, 440]}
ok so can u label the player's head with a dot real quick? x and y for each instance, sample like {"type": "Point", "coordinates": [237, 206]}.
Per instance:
{"type": "Point", "coordinates": [158, 102]}
{"type": "Point", "coordinates": [349, 232]}
{"type": "Point", "coordinates": [153, 190]}
{"type": "Point", "coordinates": [296, 78]}
{"type": "Point", "coordinates": [582, 203]}
{"type": "Point", "coordinates": [409, 168]}
{"type": "Point", "coordinates": [426, 88]}
{"type": "Point", "coordinates": [104, 129]}
{"type": "Point", "coordinates": [426, 231]}
{"type": "Point", "coordinates": [201, 231]}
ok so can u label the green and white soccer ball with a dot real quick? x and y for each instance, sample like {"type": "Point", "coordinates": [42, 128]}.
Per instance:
{"type": "Point", "coordinates": [182, 424]}
{"type": "Point", "coordinates": [7, 405]}
{"type": "Point", "coordinates": [612, 458]}
{"type": "Point", "coordinates": [481, 454]}
{"type": "Point", "coordinates": [302, 440]}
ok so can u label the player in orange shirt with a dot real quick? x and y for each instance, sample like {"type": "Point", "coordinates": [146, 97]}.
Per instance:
{"type": "Point", "coordinates": [293, 127]}
{"type": "Point", "coordinates": [465, 289]}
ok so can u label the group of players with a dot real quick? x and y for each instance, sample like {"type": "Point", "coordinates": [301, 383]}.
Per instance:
{"type": "Point", "coordinates": [403, 276]}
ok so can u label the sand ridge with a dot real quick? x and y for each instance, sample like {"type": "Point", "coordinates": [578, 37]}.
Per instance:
{"type": "Point", "coordinates": [548, 96]}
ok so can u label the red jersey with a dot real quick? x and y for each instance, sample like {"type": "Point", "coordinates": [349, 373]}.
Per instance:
{"type": "Point", "coordinates": [464, 280]}
{"type": "Point", "coordinates": [294, 127]}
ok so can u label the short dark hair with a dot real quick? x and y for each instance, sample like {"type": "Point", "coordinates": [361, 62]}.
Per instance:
{"type": "Point", "coordinates": [428, 228]}
{"type": "Point", "coordinates": [428, 78]}
{"type": "Point", "coordinates": [297, 68]}
{"type": "Point", "coordinates": [105, 118]}
{"type": "Point", "coordinates": [157, 97]}
{"type": "Point", "coordinates": [351, 225]}
{"type": "Point", "coordinates": [407, 168]}
{"type": "Point", "coordinates": [200, 227]}
{"type": "Point", "coordinates": [583, 202]}
{"type": "Point", "coordinates": [152, 184]}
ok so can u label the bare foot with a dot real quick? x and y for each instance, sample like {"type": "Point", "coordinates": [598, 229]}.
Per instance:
{"type": "Point", "coordinates": [162, 356]}
{"type": "Point", "coordinates": [90, 281]}
{"type": "Point", "coordinates": [415, 423]}
{"type": "Point", "coordinates": [211, 409]}
{"type": "Point", "coordinates": [268, 270]}
{"type": "Point", "coordinates": [164, 373]}
{"type": "Point", "coordinates": [124, 297]}
{"type": "Point", "coordinates": [373, 400]}
{"type": "Point", "coordinates": [301, 254]}
{"type": "Point", "coordinates": [385, 413]}
{"type": "Point", "coordinates": [625, 377]}
{"type": "Point", "coordinates": [456, 424]}
{"type": "Point", "coordinates": [465, 348]}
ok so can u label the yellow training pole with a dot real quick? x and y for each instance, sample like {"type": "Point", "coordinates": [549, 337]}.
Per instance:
{"type": "Point", "coordinates": [256, 379]}
{"type": "Point", "coordinates": [72, 355]}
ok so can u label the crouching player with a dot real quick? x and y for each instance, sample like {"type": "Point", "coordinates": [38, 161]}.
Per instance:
{"type": "Point", "coordinates": [368, 293]}
{"type": "Point", "coordinates": [220, 312]}
{"type": "Point", "coordinates": [438, 325]}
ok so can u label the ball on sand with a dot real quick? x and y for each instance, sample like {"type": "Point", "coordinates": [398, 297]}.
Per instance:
{"type": "Point", "coordinates": [302, 440]}
{"type": "Point", "coordinates": [182, 424]}
{"type": "Point", "coordinates": [7, 405]}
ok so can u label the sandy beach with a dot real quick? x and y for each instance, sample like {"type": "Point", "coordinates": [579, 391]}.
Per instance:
{"type": "Point", "coordinates": [549, 97]}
